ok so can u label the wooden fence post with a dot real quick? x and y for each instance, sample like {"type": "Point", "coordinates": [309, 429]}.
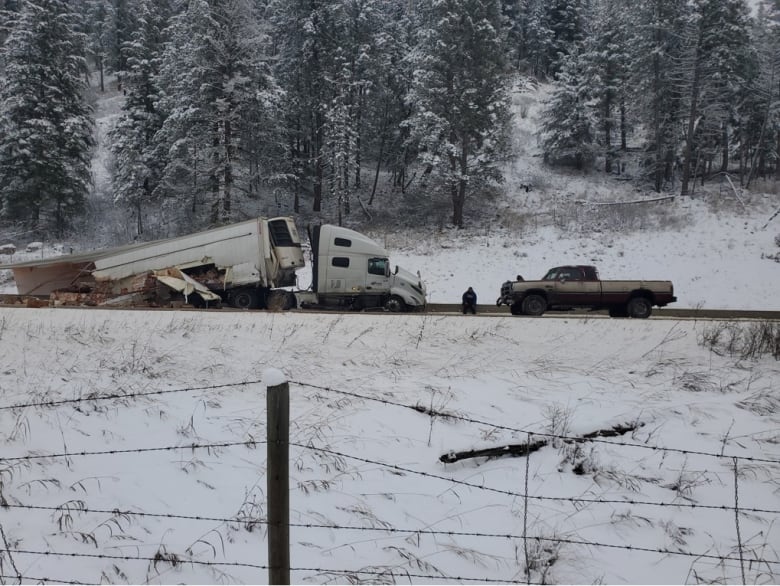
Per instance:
{"type": "Point", "coordinates": [278, 482]}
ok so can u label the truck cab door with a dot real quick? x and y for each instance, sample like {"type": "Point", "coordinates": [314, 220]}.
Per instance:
{"type": "Point", "coordinates": [378, 276]}
{"type": "Point", "coordinates": [571, 289]}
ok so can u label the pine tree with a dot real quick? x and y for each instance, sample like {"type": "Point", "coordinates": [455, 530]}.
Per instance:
{"type": "Point", "coordinates": [98, 28]}
{"type": "Point", "coordinates": [717, 53]}
{"type": "Point", "coordinates": [607, 63]}
{"type": "Point", "coordinates": [299, 72]}
{"type": "Point", "coordinates": [137, 166]}
{"type": "Point", "coordinates": [221, 107]}
{"type": "Point", "coordinates": [759, 114]}
{"type": "Point", "coordinates": [659, 48]}
{"type": "Point", "coordinates": [459, 96]}
{"type": "Point", "coordinates": [46, 124]}
{"type": "Point", "coordinates": [568, 121]}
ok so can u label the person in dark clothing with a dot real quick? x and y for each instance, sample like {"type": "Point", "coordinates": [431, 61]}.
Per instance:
{"type": "Point", "coordinates": [470, 302]}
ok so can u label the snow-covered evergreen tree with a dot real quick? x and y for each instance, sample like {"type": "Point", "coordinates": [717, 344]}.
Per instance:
{"type": "Point", "coordinates": [137, 166]}
{"type": "Point", "coordinates": [45, 122]}
{"type": "Point", "coordinates": [607, 61]}
{"type": "Point", "coordinates": [759, 114]}
{"type": "Point", "coordinates": [459, 96]}
{"type": "Point", "coordinates": [98, 26]}
{"type": "Point", "coordinates": [568, 121]}
{"type": "Point", "coordinates": [221, 107]}
{"type": "Point", "coordinates": [713, 63]}
{"type": "Point", "coordinates": [658, 50]}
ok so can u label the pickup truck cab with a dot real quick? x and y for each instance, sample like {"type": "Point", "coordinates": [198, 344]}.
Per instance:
{"type": "Point", "coordinates": [579, 286]}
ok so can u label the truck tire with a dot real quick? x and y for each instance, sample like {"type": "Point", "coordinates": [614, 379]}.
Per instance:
{"type": "Point", "coordinates": [534, 305]}
{"type": "Point", "coordinates": [245, 299]}
{"type": "Point", "coordinates": [639, 307]}
{"type": "Point", "coordinates": [395, 304]}
{"type": "Point", "coordinates": [516, 309]}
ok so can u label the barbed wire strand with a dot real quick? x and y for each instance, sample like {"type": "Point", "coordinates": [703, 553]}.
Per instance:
{"type": "Point", "coordinates": [249, 443]}
{"type": "Point", "coordinates": [43, 580]}
{"type": "Point", "coordinates": [178, 561]}
{"type": "Point", "coordinates": [574, 500]}
{"type": "Point", "coordinates": [112, 396]}
{"type": "Point", "coordinates": [525, 431]}
{"type": "Point", "coordinates": [398, 530]}
{"type": "Point", "coordinates": [253, 443]}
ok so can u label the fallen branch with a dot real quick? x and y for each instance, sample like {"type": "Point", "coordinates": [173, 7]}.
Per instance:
{"type": "Point", "coordinates": [530, 447]}
{"type": "Point", "coordinates": [620, 203]}
{"type": "Point", "coordinates": [508, 450]}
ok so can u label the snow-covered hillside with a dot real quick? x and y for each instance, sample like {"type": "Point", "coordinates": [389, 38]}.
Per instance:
{"type": "Point", "coordinates": [719, 247]}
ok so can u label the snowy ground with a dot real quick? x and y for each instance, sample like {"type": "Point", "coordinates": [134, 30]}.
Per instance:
{"type": "Point", "coordinates": [376, 401]}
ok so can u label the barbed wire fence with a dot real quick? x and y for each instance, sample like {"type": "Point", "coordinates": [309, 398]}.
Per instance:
{"type": "Point", "coordinates": [249, 521]}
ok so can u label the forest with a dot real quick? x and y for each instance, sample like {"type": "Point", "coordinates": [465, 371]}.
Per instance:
{"type": "Point", "coordinates": [323, 103]}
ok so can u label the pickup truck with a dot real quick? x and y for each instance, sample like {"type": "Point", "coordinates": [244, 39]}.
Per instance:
{"type": "Point", "coordinates": [567, 287]}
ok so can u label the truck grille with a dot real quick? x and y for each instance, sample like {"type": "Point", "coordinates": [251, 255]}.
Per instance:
{"type": "Point", "coordinates": [506, 289]}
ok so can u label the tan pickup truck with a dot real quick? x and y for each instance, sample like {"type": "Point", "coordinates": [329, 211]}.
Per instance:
{"type": "Point", "coordinates": [579, 286]}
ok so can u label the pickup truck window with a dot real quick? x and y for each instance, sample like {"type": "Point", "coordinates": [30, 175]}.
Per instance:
{"type": "Point", "coordinates": [570, 274]}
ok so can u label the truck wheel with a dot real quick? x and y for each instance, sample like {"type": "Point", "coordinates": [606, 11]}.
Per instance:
{"type": "Point", "coordinates": [534, 305]}
{"type": "Point", "coordinates": [639, 307]}
{"type": "Point", "coordinates": [516, 309]}
{"type": "Point", "coordinates": [245, 299]}
{"type": "Point", "coordinates": [395, 304]}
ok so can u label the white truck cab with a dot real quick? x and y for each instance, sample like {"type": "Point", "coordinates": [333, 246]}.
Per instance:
{"type": "Point", "coordinates": [351, 270]}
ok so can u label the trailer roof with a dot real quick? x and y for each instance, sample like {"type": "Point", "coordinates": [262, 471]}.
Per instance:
{"type": "Point", "coordinates": [80, 257]}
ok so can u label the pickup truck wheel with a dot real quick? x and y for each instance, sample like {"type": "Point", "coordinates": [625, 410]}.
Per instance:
{"type": "Point", "coordinates": [395, 304]}
{"type": "Point", "coordinates": [639, 307]}
{"type": "Point", "coordinates": [516, 309]}
{"type": "Point", "coordinates": [245, 299]}
{"type": "Point", "coordinates": [534, 305]}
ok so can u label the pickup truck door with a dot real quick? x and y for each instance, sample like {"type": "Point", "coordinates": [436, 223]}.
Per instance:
{"type": "Point", "coordinates": [572, 289]}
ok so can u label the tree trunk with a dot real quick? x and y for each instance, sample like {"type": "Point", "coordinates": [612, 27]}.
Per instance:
{"type": "Point", "coordinates": [228, 174]}
{"type": "Point", "coordinates": [724, 138]}
{"type": "Point", "coordinates": [659, 138]}
{"type": "Point", "coordinates": [459, 188]}
{"type": "Point", "coordinates": [358, 124]}
{"type": "Point", "coordinates": [623, 125]}
{"type": "Point", "coordinates": [692, 115]}
{"type": "Point", "coordinates": [608, 126]}
{"type": "Point", "coordinates": [777, 163]}
{"type": "Point", "coordinates": [100, 69]}
{"type": "Point", "coordinates": [318, 165]}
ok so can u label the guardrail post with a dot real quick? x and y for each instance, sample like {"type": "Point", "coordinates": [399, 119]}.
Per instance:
{"type": "Point", "coordinates": [278, 482]}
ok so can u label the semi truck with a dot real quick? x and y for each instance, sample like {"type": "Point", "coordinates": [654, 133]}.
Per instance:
{"type": "Point", "coordinates": [248, 265]}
